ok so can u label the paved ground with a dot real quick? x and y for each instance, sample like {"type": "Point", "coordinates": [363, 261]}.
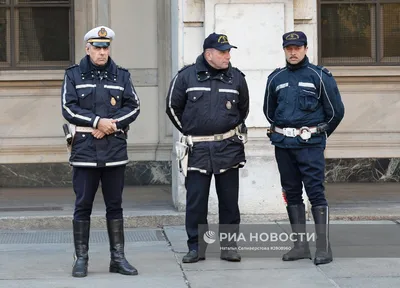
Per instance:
{"type": "Point", "coordinates": [36, 243]}
{"type": "Point", "coordinates": [151, 206]}
{"type": "Point", "coordinates": [43, 258]}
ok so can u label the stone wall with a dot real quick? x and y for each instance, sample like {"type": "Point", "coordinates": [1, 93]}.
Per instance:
{"type": "Point", "coordinates": [60, 174]}
{"type": "Point", "coordinates": [365, 147]}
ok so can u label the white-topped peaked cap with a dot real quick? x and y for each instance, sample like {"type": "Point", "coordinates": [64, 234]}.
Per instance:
{"type": "Point", "coordinates": [100, 36]}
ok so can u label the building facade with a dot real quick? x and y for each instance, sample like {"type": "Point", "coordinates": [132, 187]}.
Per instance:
{"type": "Point", "coordinates": [356, 40]}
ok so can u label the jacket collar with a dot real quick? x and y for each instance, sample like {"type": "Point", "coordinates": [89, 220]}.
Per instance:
{"type": "Point", "coordinates": [86, 67]}
{"type": "Point", "coordinates": [203, 74]}
{"type": "Point", "coordinates": [301, 64]}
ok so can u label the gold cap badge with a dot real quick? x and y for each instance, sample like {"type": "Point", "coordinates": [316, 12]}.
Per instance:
{"type": "Point", "coordinates": [223, 39]}
{"type": "Point", "coordinates": [292, 36]}
{"type": "Point", "coordinates": [102, 32]}
{"type": "Point", "coordinates": [228, 105]}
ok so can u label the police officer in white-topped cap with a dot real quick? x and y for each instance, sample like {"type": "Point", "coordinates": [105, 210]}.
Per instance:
{"type": "Point", "coordinates": [99, 102]}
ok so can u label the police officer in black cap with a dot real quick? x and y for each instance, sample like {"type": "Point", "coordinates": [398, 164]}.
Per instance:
{"type": "Point", "coordinates": [99, 102]}
{"type": "Point", "coordinates": [208, 103]}
{"type": "Point", "coordinates": [304, 107]}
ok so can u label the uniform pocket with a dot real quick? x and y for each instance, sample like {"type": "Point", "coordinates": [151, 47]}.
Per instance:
{"type": "Point", "coordinates": [281, 102]}
{"type": "Point", "coordinates": [120, 135]}
{"type": "Point", "coordinates": [194, 97]}
{"type": "Point", "coordinates": [308, 100]}
{"type": "Point", "coordinates": [115, 99]}
{"type": "Point", "coordinates": [230, 103]}
{"type": "Point", "coordinates": [85, 98]}
{"type": "Point", "coordinates": [195, 102]}
{"type": "Point", "coordinates": [194, 108]}
{"type": "Point", "coordinates": [80, 138]}
{"type": "Point", "coordinates": [276, 137]}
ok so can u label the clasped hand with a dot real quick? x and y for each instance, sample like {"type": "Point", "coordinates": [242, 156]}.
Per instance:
{"type": "Point", "coordinates": [105, 127]}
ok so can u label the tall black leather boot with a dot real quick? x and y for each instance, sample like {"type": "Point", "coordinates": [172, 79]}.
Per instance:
{"type": "Point", "coordinates": [118, 263]}
{"type": "Point", "coordinates": [81, 231]}
{"type": "Point", "coordinates": [301, 249]}
{"type": "Point", "coordinates": [323, 253]}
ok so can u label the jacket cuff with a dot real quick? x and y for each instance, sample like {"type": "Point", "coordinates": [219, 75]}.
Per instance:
{"type": "Point", "coordinates": [96, 121]}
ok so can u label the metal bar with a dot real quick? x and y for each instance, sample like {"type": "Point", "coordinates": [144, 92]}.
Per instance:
{"type": "Point", "coordinates": [378, 36]}
{"type": "Point", "coordinates": [72, 32]}
{"type": "Point", "coordinates": [358, 2]}
{"type": "Point", "coordinates": [12, 34]}
{"type": "Point", "coordinates": [8, 37]}
{"type": "Point", "coordinates": [349, 2]}
{"type": "Point", "coordinates": [319, 28]}
{"type": "Point", "coordinates": [41, 5]}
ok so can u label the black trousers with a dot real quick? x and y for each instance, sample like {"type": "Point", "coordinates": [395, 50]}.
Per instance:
{"type": "Point", "coordinates": [198, 189]}
{"type": "Point", "coordinates": [86, 182]}
{"type": "Point", "coordinates": [298, 166]}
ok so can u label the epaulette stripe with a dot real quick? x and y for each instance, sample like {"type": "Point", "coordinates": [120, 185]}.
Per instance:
{"type": "Point", "coordinates": [239, 71]}
{"type": "Point", "coordinates": [275, 71]}
{"type": "Point", "coordinates": [122, 68]}
{"type": "Point", "coordinates": [185, 67]}
{"type": "Point", "coordinates": [325, 70]}
{"type": "Point", "coordinates": [72, 66]}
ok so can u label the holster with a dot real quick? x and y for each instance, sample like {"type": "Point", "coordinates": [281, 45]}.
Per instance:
{"type": "Point", "coordinates": [241, 132]}
{"type": "Point", "coordinates": [69, 133]}
{"type": "Point", "coordinates": [126, 129]}
{"type": "Point", "coordinates": [182, 154]}
{"type": "Point", "coordinates": [270, 130]}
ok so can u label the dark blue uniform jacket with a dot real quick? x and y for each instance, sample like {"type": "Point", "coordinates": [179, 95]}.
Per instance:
{"type": "Point", "coordinates": [302, 95]}
{"type": "Point", "coordinates": [201, 104]}
{"type": "Point", "coordinates": [90, 93]}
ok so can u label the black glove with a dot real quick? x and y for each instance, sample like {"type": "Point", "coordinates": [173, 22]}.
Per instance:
{"type": "Point", "coordinates": [270, 130]}
{"type": "Point", "coordinates": [322, 128]}
{"type": "Point", "coordinates": [243, 129]}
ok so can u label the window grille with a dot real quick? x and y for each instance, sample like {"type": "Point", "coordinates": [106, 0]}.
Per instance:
{"type": "Point", "coordinates": [359, 32]}
{"type": "Point", "coordinates": [36, 34]}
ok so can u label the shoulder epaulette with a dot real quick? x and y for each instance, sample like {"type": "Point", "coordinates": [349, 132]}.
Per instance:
{"type": "Point", "coordinates": [122, 68]}
{"type": "Point", "coordinates": [326, 71]}
{"type": "Point", "coordinates": [275, 71]}
{"type": "Point", "coordinates": [240, 71]}
{"type": "Point", "coordinates": [72, 66]}
{"type": "Point", "coordinates": [185, 67]}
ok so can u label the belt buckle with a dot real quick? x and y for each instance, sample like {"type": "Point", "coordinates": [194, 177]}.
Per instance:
{"type": "Point", "coordinates": [218, 137]}
{"type": "Point", "coordinates": [305, 133]}
{"type": "Point", "coordinates": [290, 132]}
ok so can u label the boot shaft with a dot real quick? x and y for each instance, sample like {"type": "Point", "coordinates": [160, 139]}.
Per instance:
{"type": "Point", "coordinates": [297, 214]}
{"type": "Point", "coordinates": [118, 264]}
{"type": "Point", "coordinates": [115, 228]}
{"type": "Point", "coordinates": [297, 217]}
{"type": "Point", "coordinates": [81, 231]}
{"type": "Point", "coordinates": [321, 219]}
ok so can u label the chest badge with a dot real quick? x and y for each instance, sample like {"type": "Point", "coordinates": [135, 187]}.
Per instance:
{"type": "Point", "coordinates": [113, 101]}
{"type": "Point", "coordinates": [228, 105]}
